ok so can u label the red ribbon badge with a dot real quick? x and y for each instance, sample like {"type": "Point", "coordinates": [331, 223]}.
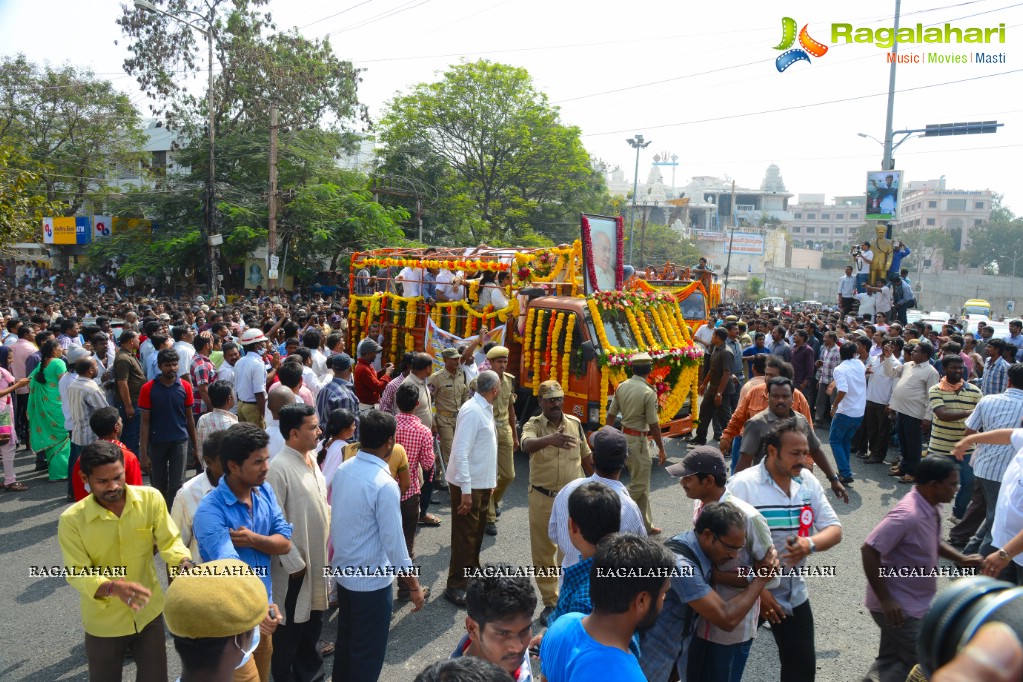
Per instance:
{"type": "Point", "coordinates": [805, 521]}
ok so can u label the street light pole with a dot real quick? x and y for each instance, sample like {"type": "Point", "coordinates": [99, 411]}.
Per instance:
{"type": "Point", "coordinates": [636, 143]}
{"type": "Point", "coordinates": [888, 163]}
{"type": "Point", "coordinates": [210, 238]}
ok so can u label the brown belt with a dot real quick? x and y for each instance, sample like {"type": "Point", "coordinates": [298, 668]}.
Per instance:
{"type": "Point", "coordinates": [633, 432]}
{"type": "Point", "coordinates": [544, 491]}
{"type": "Point", "coordinates": [445, 413]}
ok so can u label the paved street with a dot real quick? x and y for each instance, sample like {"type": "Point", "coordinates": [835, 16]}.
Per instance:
{"type": "Point", "coordinates": [43, 640]}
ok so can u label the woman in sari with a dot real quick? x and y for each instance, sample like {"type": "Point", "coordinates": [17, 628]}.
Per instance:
{"type": "Point", "coordinates": [47, 434]}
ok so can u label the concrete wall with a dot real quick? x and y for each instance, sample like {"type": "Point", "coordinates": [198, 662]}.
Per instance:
{"type": "Point", "coordinates": [945, 292]}
{"type": "Point", "coordinates": [806, 258]}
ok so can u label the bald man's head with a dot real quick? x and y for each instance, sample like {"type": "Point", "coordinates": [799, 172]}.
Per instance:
{"type": "Point", "coordinates": [280, 396]}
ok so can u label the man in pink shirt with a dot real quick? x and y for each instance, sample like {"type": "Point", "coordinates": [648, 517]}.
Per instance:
{"type": "Point", "coordinates": [20, 351]}
{"type": "Point", "coordinates": [900, 558]}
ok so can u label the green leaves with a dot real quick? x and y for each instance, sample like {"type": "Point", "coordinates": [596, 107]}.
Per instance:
{"type": "Point", "coordinates": [504, 165]}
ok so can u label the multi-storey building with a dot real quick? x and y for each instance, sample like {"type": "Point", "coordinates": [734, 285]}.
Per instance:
{"type": "Point", "coordinates": [816, 224]}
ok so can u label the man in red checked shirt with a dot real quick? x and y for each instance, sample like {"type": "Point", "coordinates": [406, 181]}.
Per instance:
{"type": "Point", "coordinates": [370, 384]}
{"type": "Point", "coordinates": [106, 424]}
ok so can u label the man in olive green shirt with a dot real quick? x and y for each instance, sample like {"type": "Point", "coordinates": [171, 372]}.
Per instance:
{"type": "Point", "coordinates": [450, 390]}
{"type": "Point", "coordinates": [636, 401]}
{"type": "Point", "coordinates": [558, 454]}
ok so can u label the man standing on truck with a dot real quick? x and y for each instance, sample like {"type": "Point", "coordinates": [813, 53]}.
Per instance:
{"type": "Point", "coordinates": [636, 401]}
{"type": "Point", "coordinates": [507, 433]}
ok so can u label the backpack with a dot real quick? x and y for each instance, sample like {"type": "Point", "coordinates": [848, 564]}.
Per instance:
{"type": "Point", "coordinates": [687, 553]}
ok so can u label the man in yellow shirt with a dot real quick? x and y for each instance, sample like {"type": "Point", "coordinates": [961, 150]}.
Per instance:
{"type": "Point", "coordinates": [107, 541]}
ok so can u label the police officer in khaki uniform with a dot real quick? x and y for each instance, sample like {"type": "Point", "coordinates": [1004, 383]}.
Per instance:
{"type": "Point", "coordinates": [558, 453]}
{"type": "Point", "coordinates": [507, 433]}
{"type": "Point", "coordinates": [450, 390]}
{"type": "Point", "coordinates": [636, 401]}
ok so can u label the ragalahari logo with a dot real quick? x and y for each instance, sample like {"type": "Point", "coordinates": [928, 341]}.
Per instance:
{"type": "Point", "coordinates": [788, 37]}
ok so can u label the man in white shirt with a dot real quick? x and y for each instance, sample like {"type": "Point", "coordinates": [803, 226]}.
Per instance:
{"type": "Point", "coordinates": [411, 281]}
{"type": "Point", "coordinates": [610, 452]}
{"type": "Point", "coordinates": [471, 476]}
{"type": "Point", "coordinates": [847, 290]}
{"type": "Point", "coordinates": [877, 423]}
{"type": "Point", "coordinates": [365, 532]}
{"type": "Point", "coordinates": [250, 379]}
{"type": "Point", "coordinates": [850, 402]}
{"type": "Point", "coordinates": [863, 261]}
{"type": "Point", "coordinates": [449, 286]}
{"type": "Point", "coordinates": [183, 337]}
{"type": "Point", "coordinates": [188, 497]}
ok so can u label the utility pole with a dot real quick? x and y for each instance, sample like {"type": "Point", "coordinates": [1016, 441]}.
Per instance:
{"type": "Point", "coordinates": [636, 143]}
{"type": "Point", "coordinates": [642, 236]}
{"type": "Point", "coordinates": [731, 240]}
{"type": "Point", "coordinates": [272, 200]}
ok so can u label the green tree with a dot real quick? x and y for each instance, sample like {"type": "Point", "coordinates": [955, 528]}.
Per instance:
{"type": "Point", "coordinates": [71, 130]}
{"type": "Point", "coordinates": [504, 164]}
{"type": "Point", "coordinates": [322, 211]}
{"type": "Point", "coordinates": [754, 288]}
{"type": "Point", "coordinates": [663, 245]}
{"type": "Point", "coordinates": [996, 242]}
{"type": "Point", "coordinates": [21, 208]}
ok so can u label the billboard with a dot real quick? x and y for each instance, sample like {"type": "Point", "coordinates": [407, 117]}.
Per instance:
{"type": "Point", "coordinates": [102, 226]}
{"type": "Point", "coordinates": [883, 195]}
{"type": "Point", "coordinates": [745, 244]}
{"type": "Point", "coordinates": [83, 229]}
{"type": "Point", "coordinates": [64, 230]}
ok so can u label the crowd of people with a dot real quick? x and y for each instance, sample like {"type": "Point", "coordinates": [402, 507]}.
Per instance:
{"type": "Point", "coordinates": [311, 464]}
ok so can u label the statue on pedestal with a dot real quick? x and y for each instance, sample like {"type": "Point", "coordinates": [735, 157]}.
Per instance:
{"type": "Point", "coordinates": [883, 250]}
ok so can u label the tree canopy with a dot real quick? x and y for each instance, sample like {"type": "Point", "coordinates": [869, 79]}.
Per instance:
{"type": "Point", "coordinates": [503, 164]}
{"type": "Point", "coordinates": [70, 131]}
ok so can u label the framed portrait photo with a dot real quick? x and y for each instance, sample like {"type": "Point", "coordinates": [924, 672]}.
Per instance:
{"type": "Point", "coordinates": [602, 240]}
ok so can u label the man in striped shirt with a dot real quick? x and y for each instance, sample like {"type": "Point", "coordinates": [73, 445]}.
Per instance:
{"type": "Point", "coordinates": [993, 412]}
{"type": "Point", "coordinates": [794, 504]}
{"type": "Point", "coordinates": [828, 362]}
{"type": "Point", "coordinates": [995, 369]}
{"type": "Point", "coordinates": [417, 439]}
{"type": "Point", "coordinates": [952, 400]}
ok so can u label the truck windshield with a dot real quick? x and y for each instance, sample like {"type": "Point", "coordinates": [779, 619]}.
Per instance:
{"type": "Point", "coordinates": [977, 310]}
{"type": "Point", "coordinates": [694, 306]}
{"type": "Point", "coordinates": [616, 326]}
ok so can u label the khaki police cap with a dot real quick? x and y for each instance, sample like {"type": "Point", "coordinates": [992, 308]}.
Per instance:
{"type": "Point", "coordinates": [551, 389]}
{"type": "Point", "coordinates": [449, 353]}
{"type": "Point", "coordinates": [216, 599]}
{"type": "Point", "coordinates": [641, 358]}
{"type": "Point", "coordinates": [497, 352]}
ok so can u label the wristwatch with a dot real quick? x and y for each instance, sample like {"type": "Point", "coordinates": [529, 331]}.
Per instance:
{"type": "Point", "coordinates": [833, 477]}
{"type": "Point", "coordinates": [813, 545]}
{"type": "Point", "coordinates": [1003, 555]}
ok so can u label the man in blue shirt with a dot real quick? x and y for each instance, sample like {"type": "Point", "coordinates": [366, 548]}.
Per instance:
{"type": "Point", "coordinates": [499, 620]}
{"type": "Point", "coordinates": [240, 519]}
{"type": "Point", "coordinates": [627, 587]}
{"type": "Point", "coordinates": [900, 251]}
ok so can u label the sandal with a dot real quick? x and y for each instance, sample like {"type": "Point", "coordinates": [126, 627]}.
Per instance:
{"type": "Point", "coordinates": [326, 648]}
{"type": "Point", "coordinates": [16, 487]}
{"type": "Point", "coordinates": [908, 478]}
{"type": "Point", "coordinates": [429, 520]}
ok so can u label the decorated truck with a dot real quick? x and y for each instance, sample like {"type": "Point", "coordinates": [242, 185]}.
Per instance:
{"type": "Point", "coordinates": [557, 324]}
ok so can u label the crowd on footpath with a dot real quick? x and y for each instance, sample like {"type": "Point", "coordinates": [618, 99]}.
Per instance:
{"type": "Point", "coordinates": [314, 470]}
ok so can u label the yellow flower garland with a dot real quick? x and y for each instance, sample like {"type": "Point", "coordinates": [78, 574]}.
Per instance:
{"type": "Point", "coordinates": [552, 343]}
{"type": "Point", "coordinates": [537, 339]}
{"type": "Point", "coordinates": [566, 361]}
{"type": "Point", "coordinates": [410, 313]}
{"type": "Point", "coordinates": [605, 380]}
{"type": "Point", "coordinates": [410, 343]}
{"type": "Point", "coordinates": [394, 343]}
{"type": "Point", "coordinates": [527, 358]}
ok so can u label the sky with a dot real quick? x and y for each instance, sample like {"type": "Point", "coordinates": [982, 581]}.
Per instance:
{"type": "Point", "coordinates": [698, 79]}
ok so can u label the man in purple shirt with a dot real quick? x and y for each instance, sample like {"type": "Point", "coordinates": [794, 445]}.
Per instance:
{"type": "Point", "coordinates": [900, 558]}
{"type": "Point", "coordinates": [803, 364]}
